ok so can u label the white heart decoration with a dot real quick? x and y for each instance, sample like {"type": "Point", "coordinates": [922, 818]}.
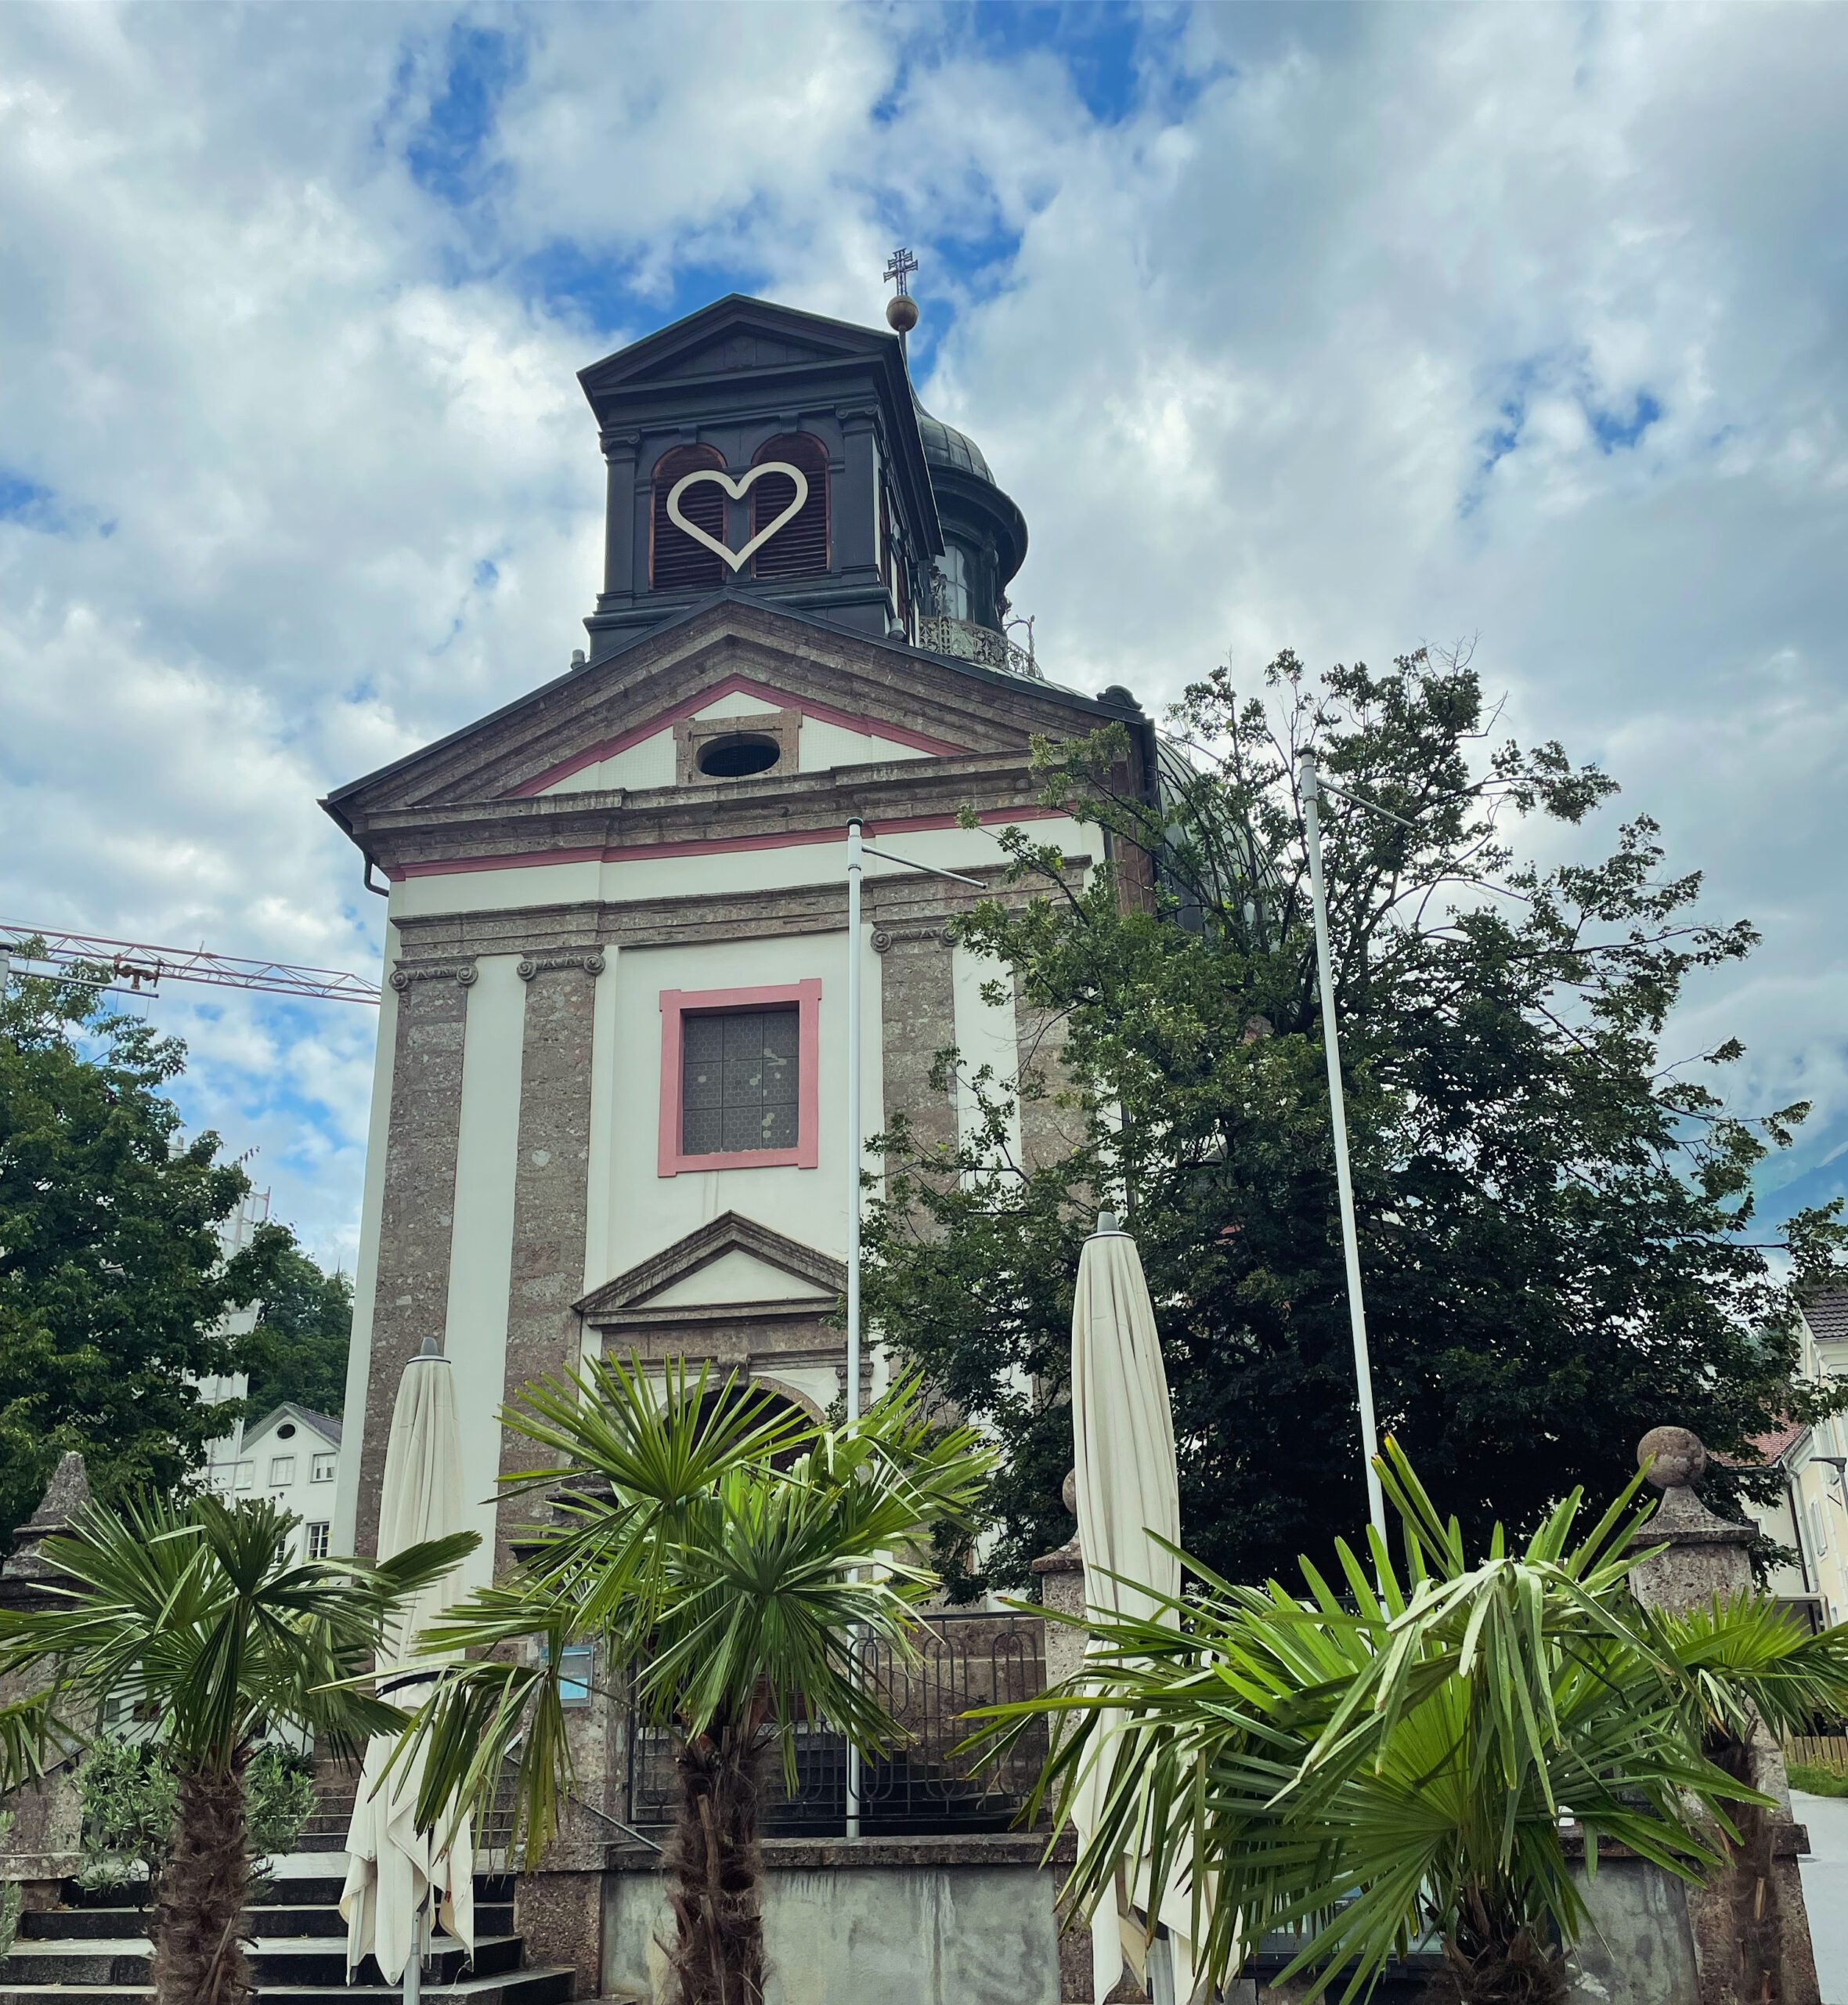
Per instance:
{"type": "Point", "coordinates": [736, 489]}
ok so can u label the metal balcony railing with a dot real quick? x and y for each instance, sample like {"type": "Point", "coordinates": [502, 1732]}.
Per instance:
{"type": "Point", "coordinates": [920, 1787]}
{"type": "Point", "coordinates": [942, 635]}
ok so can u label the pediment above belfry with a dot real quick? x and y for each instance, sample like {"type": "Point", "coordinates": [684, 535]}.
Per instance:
{"type": "Point", "coordinates": [893, 702]}
{"type": "Point", "coordinates": [731, 1268]}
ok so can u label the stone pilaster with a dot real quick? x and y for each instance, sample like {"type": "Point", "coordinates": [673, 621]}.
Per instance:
{"type": "Point", "coordinates": [1750, 1928]}
{"type": "Point", "coordinates": [550, 1183]}
{"type": "Point", "coordinates": [418, 1208]}
{"type": "Point", "coordinates": [917, 1002]}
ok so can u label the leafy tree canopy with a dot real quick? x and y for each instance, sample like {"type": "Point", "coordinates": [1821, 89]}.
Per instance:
{"type": "Point", "coordinates": [298, 1349]}
{"type": "Point", "coordinates": [113, 1284]}
{"type": "Point", "coordinates": [1559, 1236]}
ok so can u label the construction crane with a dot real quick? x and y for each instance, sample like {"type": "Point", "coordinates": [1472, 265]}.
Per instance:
{"type": "Point", "coordinates": [137, 969]}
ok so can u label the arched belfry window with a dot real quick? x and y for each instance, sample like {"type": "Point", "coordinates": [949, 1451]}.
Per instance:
{"type": "Point", "coordinates": [800, 547]}
{"type": "Point", "coordinates": [676, 562]}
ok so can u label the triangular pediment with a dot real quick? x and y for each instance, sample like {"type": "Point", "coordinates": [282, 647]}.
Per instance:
{"type": "Point", "coordinates": [861, 690]}
{"type": "Point", "coordinates": [731, 1265]}
{"type": "Point", "coordinates": [734, 336]}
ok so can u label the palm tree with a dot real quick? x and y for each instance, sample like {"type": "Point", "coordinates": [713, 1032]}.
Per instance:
{"type": "Point", "coordinates": [733, 1561]}
{"type": "Point", "coordinates": [196, 1613]}
{"type": "Point", "coordinates": [1369, 1765]}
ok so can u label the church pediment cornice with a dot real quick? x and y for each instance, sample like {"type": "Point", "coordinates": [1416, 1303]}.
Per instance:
{"type": "Point", "coordinates": [621, 825]}
{"type": "Point", "coordinates": [922, 699]}
{"type": "Point", "coordinates": [631, 1301]}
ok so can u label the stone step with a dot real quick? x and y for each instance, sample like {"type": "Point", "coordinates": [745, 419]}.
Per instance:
{"type": "Point", "coordinates": [540, 1987]}
{"type": "Point", "coordinates": [288, 1964]}
{"type": "Point", "coordinates": [322, 1918]}
{"type": "Point", "coordinates": [293, 1889]}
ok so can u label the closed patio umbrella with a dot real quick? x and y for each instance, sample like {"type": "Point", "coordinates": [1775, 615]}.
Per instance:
{"type": "Point", "coordinates": [394, 1871]}
{"type": "Point", "coordinates": [1128, 1497]}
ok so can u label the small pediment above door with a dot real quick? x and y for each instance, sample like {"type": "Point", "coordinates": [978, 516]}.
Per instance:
{"type": "Point", "coordinates": [732, 1267]}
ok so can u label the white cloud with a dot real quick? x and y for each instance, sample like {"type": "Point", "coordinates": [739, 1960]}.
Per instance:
{"type": "Point", "coordinates": [1313, 345]}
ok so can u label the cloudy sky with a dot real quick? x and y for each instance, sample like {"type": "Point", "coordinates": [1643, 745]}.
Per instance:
{"type": "Point", "coordinates": [1343, 330]}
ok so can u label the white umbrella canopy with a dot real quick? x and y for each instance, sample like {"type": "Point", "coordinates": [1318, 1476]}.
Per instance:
{"type": "Point", "coordinates": [1128, 1499]}
{"type": "Point", "coordinates": [393, 1868]}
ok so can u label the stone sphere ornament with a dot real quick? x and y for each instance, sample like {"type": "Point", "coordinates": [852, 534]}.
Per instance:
{"type": "Point", "coordinates": [1674, 1457]}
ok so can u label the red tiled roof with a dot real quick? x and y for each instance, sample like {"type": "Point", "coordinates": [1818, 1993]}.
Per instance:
{"type": "Point", "coordinates": [1772, 1446]}
{"type": "Point", "coordinates": [1827, 1315]}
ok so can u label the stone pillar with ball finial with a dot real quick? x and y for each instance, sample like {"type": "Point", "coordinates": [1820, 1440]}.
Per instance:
{"type": "Point", "coordinates": [40, 1848]}
{"type": "Point", "coordinates": [1750, 1929]}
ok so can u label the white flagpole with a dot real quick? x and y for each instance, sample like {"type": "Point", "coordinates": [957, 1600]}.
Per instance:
{"type": "Point", "coordinates": [1363, 1372]}
{"type": "Point", "coordinates": [855, 872]}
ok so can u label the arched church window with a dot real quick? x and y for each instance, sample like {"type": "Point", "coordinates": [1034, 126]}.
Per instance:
{"type": "Point", "coordinates": [676, 562]}
{"type": "Point", "coordinates": [800, 547]}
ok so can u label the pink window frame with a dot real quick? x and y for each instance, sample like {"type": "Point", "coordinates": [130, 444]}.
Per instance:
{"type": "Point", "coordinates": [677, 1004]}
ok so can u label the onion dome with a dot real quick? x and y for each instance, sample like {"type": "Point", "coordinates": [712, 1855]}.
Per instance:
{"type": "Point", "coordinates": [984, 533]}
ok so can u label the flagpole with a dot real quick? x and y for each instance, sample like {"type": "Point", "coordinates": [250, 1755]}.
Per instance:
{"type": "Point", "coordinates": [858, 850]}
{"type": "Point", "coordinates": [856, 870]}
{"type": "Point", "coordinates": [1363, 1371]}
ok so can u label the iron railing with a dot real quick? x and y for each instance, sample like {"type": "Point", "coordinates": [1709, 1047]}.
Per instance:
{"type": "Point", "coordinates": [922, 1786]}
{"type": "Point", "coordinates": [941, 634]}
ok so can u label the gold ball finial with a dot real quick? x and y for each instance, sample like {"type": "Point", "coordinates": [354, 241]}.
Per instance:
{"type": "Point", "coordinates": [901, 313]}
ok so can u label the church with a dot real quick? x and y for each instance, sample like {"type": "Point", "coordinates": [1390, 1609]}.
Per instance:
{"type": "Point", "coordinates": [609, 1111]}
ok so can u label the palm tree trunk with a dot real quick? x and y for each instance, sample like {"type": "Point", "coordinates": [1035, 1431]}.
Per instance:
{"type": "Point", "coordinates": [1494, 1959]}
{"type": "Point", "coordinates": [199, 1915]}
{"type": "Point", "coordinates": [715, 1870]}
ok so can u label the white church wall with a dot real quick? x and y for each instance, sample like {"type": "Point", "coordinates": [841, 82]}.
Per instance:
{"type": "Point", "coordinates": [649, 764]}
{"type": "Point", "coordinates": [481, 1244]}
{"type": "Point", "coordinates": [823, 746]}
{"type": "Point", "coordinates": [734, 1277]}
{"type": "Point", "coordinates": [787, 866]}
{"type": "Point", "coordinates": [641, 1211]}
{"type": "Point", "coordinates": [372, 1198]}
{"type": "Point", "coordinates": [651, 761]}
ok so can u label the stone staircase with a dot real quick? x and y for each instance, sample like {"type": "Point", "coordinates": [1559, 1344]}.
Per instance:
{"type": "Point", "coordinates": [93, 1948]}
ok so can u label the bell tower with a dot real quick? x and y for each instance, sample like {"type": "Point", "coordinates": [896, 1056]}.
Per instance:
{"type": "Point", "coordinates": [757, 449]}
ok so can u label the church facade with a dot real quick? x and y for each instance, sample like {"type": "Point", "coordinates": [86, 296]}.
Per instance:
{"type": "Point", "coordinates": [609, 1112]}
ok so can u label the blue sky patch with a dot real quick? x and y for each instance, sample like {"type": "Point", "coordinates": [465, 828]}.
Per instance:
{"type": "Point", "coordinates": [22, 499]}
{"type": "Point", "coordinates": [445, 153]}
{"type": "Point", "coordinates": [1616, 431]}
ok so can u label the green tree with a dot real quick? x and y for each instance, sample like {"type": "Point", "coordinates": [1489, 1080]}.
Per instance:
{"type": "Point", "coordinates": [298, 1349]}
{"type": "Point", "coordinates": [113, 1283]}
{"type": "Point", "coordinates": [197, 1614]}
{"type": "Point", "coordinates": [1370, 1767]}
{"type": "Point", "coordinates": [726, 1561]}
{"type": "Point", "coordinates": [1559, 1239]}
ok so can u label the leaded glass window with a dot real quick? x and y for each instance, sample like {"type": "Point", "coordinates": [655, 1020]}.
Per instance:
{"type": "Point", "coordinates": [738, 1082]}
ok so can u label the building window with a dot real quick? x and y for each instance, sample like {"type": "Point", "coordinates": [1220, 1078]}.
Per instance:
{"type": "Point", "coordinates": [321, 1469]}
{"type": "Point", "coordinates": [952, 582]}
{"type": "Point", "coordinates": [247, 1474]}
{"type": "Point", "coordinates": [282, 1468]}
{"type": "Point", "coordinates": [676, 562]}
{"type": "Point", "coordinates": [738, 1087]}
{"type": "Point", "coordinates": [799, 547]}
{"type": "Point", "coordinates": [317, 1541]}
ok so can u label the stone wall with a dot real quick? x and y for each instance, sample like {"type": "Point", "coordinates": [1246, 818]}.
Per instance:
{"type": "Point", "coordinates": [905, 1921]}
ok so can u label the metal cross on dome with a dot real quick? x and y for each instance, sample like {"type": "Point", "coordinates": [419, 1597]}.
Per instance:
{"type": "Point", "coordinates": [900, 266]}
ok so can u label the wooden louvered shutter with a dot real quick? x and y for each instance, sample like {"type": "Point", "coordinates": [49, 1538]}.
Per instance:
{"type": "Point", "coordinates": [676, 562]}
{"type": "Point", "coordinates": [799, 548]}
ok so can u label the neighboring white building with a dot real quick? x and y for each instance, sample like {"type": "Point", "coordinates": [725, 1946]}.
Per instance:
{"type": "Point", "coordinates": [234, 1235]}
{"type": "Point", "coordinates": [292, 1457]}
{"type": "Point", "coordinates": [1811, 1517]}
